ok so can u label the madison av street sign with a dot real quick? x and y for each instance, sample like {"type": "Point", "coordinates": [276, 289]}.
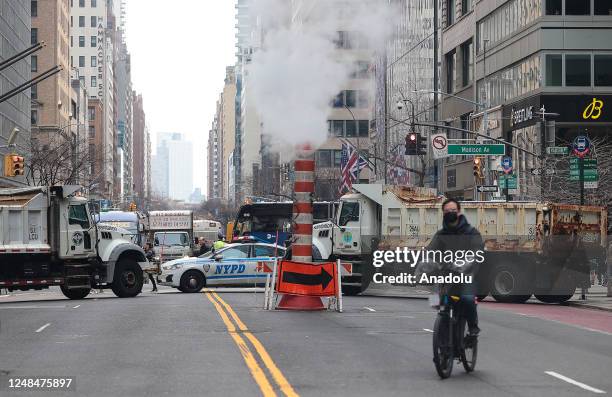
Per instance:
{"type": "Point", "coordinates": [477, 150]}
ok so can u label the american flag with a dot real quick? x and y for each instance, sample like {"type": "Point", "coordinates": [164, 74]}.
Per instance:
{"type": "Point", "coordinates": [351, 164]}
{"type": "Point", "coordinates": [395, 173]}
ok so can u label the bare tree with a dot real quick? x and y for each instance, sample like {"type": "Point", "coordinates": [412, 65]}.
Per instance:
{"type": "Point", "coordinates": [558, 186]}
{"type": "Point", "coordinates": [57, 158]}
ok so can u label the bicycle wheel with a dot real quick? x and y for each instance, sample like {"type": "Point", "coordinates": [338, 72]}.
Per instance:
{"type": "Point", "coordinates": [442, 347]}
{"type": "Point", "coordinates": [469, 347]}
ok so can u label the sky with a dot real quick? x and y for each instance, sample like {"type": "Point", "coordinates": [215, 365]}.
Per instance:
{"type": "Point", "coordinates": [179, 55]}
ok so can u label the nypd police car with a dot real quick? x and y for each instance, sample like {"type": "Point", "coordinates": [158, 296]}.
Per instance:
{"type": "Point", "coordinates": [242, 264]}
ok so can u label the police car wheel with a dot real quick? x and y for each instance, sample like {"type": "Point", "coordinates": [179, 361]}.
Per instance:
{"type": "Point", "coordinates": [192, 281]}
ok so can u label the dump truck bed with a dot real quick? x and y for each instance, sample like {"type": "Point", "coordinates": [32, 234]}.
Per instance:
{"type": "Point", "coordinates": [23, 220]}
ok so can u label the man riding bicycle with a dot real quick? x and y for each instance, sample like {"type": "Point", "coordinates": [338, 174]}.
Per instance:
{"type": "Point", "coordinates": [458, 235]}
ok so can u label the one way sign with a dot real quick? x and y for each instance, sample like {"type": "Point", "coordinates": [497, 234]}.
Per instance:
{"type": "Point", "coordinates": [307, 279]}
{"type": "Point", "coordinates": [486, 188]}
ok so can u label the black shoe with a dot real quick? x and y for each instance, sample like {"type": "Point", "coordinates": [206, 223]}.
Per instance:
{"type": "Point", "coordinates": [474, 331]}
{"type": "Point", "coordinates": [154, 290]}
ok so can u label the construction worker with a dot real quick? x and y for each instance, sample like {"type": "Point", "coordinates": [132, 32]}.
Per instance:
{"type": "Point", "coordinates": [219, 243]}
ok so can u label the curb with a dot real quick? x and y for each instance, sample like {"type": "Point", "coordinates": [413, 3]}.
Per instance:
{"type": "Point", "coordinates": [590, 306]}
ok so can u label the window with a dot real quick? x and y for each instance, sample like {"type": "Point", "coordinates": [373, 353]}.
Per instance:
{"type": "Point", "coordinates": [94, 61]}
{"type": "Point", "coordinates": [81, 21]}
{"type": "Point", "coordinates": [351, 128]}
{"type": "Point", "coordinates": [71, 42]}
{"type": "Point", "coordinates": [34, 36]}
{"type": "Point", "coordinates": [81, 3]}
{"type": "Point", "coordinates": [364, 129]}
{"type": "Point", "coordinates": [466, 6]}
{"type": "Point", "coordinates": [93, 22]}
{"type": "Point", "coordinates": [34, 117]}
{"type": "Point", "coordinates": [94, 81]}
{"type": "Point", "coordinates": [235, 252]}
{"type": "Point", "coordinates": [34, 63]}
{"type": "Point", "coordinates": [81, 61]}
{"type": "Point", "coordinates": [351, 100]}
{"type": "Point", "coordinates": [467, 63]}
{"type": "Point", "coordinates": [323, 158]}
{"type": "Point", "coordinates": [92, 131]}
{"type": "Point", "coordinates": [363, 100]}
{"type": "Point", "coordinates": [338, 127]}
{"type": "Point", "coordinates": [77, 215]}
{"type": "Point", "coordinates": [34, 8]}
{"type": "Point", "coordinates": [91, 113]}
{"type": "Point", "coordinates": [362, 70]}
{"type": "Point", "coordinates": [82, 81]}
{"type": "Point", "coordinates": [34, 92]}
{"type": "Point", "coordinates": [266, 251]}
{"type": "Point", "coordinates": [450, 12]}
{"type": "Point", "coordinates": [94, 41]}
{"type": "Point", "coordinates": [94, 3]}
{"type": "Point", "coordinates": [450, 72]}
{"type": "Point", "coordinates": [342, 40]}
{"type": "Point", "coordinates": [338, 100]}
{"type": "Point", "coordinates": [337, 158]}
{"type": "Point", "coordinates": [81, 41]}
{"type": "Point", "coordinates": [603, 7]}
{"type": "Point", "coordinates": [348, 213]}
{"type": "Point", "coordinates": [577, 7]}
{"type": "Point", "coordinates": [554, 70]}
{"type": "Point", "coordinates": [603, 70]}
{"type": "Point", "coordinates": [71, 21]}
{"type": "Point", "coordinates": [554, 7]}
{"type": "Point", "coordinates": [578, 70]}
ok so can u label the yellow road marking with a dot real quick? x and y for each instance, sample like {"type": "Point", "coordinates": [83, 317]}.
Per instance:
{"type": "Point", "coordinates": [278, 376]}
{"type": "Point", "coordinates": [256, 371]}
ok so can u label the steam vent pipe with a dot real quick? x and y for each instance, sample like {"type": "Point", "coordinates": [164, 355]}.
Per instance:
{"type": "Point", "coordinates": [302, 205]}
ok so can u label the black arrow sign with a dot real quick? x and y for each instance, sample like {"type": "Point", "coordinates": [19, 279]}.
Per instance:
{"type": "Point", "coordinates": [488, 189]}
{"type": "Point", "coordinates": [322, 279]}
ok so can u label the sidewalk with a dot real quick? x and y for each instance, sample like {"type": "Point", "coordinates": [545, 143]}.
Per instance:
{"type": "Point", "coordinates": [595, 299]}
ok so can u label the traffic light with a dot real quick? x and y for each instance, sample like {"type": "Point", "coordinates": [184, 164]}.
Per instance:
{"type": "Point", "coordinates": [14, 165]}
{"type": "Point", "coordinates": [132, 206]}
{"type": "Point", "coordinates": [421, 144]}
{"type": "Point", "coordinates": [411, 144]}
{"type": "Point", "coordinates": [478, 167]}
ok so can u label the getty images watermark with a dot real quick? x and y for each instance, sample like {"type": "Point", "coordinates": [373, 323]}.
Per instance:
{"type": "Point", "coordinates": [411, 258]}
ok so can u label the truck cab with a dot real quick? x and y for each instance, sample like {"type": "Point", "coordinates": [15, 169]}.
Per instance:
{"type": "Point", "coordinates": [169, 245]}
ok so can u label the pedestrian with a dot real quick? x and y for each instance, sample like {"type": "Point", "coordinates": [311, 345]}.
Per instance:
{"type": "Point", "coordinates": [205, 246]}
{"type": "Point", "coordinates": [220, 243]}
{"type": "Point", "coordinates": [150, 255]}
{"type": "Point", "coordinates": [458, 235]}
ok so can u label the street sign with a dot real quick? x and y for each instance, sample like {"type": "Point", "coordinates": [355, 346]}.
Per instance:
{"type": "Point", "coordinates": [586, 162]}
{"type": "Point", "coordinates": [439, 145]}
{"type": "Point", "coordinates": [476, 150]}
{"type": "Point", "coordinates": [581, 146]}
{"type": "Point", "coordinates": [587, 172]}
{"type": "Point", "coordinates": [557, 150]}
{"type": "Point", "coordinates": [307, 279]}
{"type": "Point", "coordinates": [509, 180]}
{"type": "Point", "coordinates": [506, 164]}
{"type": "Point", "coordinates": [587, 178]}
{"type": "Point", "coordinates": [487, 188]}
{"type": "Point", "coordinates": [591, 185]}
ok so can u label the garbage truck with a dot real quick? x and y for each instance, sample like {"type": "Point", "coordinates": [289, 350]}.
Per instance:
{"type": "Point", "coordinates": [48, 237]}
{"type": "Point", "coordinates": [531, 248]}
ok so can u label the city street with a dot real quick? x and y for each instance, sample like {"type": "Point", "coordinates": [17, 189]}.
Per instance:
{"type": "Point", "coordinates": [223, 343]}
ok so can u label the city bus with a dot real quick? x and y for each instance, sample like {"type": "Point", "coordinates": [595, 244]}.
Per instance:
{"type": "Point", "coordinates": [206, 229]}
{"type": "Point", "coordinates": [262, 221]}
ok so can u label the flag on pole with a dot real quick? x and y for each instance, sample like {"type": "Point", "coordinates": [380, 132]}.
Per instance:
{"type": "Point", "coordinates": [351, 164]}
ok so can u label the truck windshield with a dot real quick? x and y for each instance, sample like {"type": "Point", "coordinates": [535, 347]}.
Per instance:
{"type": "Point", "coordinates": [348, 213]}
{"type": "Point", "coordinates": [169, 239]}
{"type": "Point", "coordinates": [77, 215]}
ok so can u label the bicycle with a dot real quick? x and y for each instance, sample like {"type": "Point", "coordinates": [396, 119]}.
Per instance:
{"type": "Point", "coordinates": [451, 321]}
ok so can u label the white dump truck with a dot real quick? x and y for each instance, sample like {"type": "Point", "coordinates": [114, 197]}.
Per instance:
{"type": "Point", "coordinates": [171, 233]}
{"type": "Point", "coordinates": [531, 247]}
{"type": "Point", "coordinates": [48, 237]}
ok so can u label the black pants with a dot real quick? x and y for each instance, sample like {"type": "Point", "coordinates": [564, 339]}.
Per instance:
{"type": "Point", "coordinates": [152, 281]}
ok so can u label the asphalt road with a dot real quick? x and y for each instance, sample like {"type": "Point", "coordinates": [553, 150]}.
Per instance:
{"type": "Point", "coordinates": [224, 344]}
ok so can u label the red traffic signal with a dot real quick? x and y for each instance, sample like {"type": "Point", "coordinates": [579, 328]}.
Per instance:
{"type": "Point", "coordinates": [14, 165]}
{"type": "Point", "coordinates": [477, 167]}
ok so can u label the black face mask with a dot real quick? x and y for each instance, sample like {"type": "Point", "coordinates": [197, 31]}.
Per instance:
{"type": "Point", "coordinates": [450, 217]}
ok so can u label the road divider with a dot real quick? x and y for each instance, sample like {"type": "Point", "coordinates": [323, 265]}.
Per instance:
{"type": "Point", "coordinates": [238, 328]}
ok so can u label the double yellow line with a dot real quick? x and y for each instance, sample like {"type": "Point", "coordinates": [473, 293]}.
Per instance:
{"type": "Point", "coordinates": [256, 371]}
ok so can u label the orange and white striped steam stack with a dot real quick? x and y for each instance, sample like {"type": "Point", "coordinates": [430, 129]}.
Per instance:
{"type": "Point", "coordinates": [302, 205]}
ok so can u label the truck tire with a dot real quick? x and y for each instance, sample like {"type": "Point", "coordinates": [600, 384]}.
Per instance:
{"type": "Point", "coordinates": [509, 284]}
{"type": "Point", "coordinates": [128, 279]}
{"type": "Point", "coordinates": [192, 281]}
{"type": "Point", "coordinates": [75, 293]}
{"type": "Point", "coordinates": [553, 298]}
{"type": "Point", "coordinates": [562, 290]}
